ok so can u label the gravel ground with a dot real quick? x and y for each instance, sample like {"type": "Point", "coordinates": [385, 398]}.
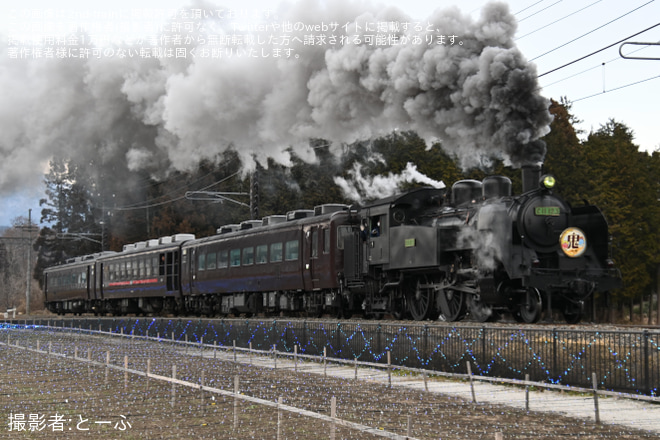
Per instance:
{"type": "Point", "coordinates": [70, 399]}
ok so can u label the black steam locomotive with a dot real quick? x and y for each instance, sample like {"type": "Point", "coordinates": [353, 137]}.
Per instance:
{"type": "Point", "coordinates": [476, 250]}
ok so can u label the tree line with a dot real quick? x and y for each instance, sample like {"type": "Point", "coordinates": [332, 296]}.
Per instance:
{"type": "Point", "coordinates": [89, 209]}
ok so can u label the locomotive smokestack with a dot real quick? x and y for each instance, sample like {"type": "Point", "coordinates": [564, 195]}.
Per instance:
{"type": "Point", "coordinates": [530, 177]}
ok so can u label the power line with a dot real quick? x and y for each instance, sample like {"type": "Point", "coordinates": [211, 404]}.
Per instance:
{"type": "Point", "coordinates": [593, 30]}
{"type": "Point", "coordinates": [558, 20]}
{"type": "Point", "coordinates": [152, 205]}
{"type": "Point", "coordinates": [532, 5]}
{"type": "Point", "coordinates": [539, 11]}
{"type": "Point", "coordinates": [617, 88]}
{"type": "Point", "coordinates": [598, 51]}
{"type": "Point", "coordinates": [615, 59]}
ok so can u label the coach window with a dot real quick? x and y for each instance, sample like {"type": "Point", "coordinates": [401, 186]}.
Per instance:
{"type": "Point", "coordinates": [223, 260]}
{"type": "Point", "coordinates": [201, 262]}
{"type": "Point", "coordinates": [248, 256]}
{"type": "Point", "coordinates": [275, 252]}
{"type": "Point", "coordinates": [147, 266]}
{"type": "Point", "coordinates": [262, 254]}
{"type": "Point", "coordinates": [326, 240]}
{"type": "Point", "coordinates": [291, 250]}
{"type": "Point", "coordinates": [122, 270]}
{"type": "Point", "coordinates": [235, 257]}
{"type": "Point", "coordinates": [129, 269]}
{"type": "Point", "coordinates": [141, 270]}
{"type": "Point", "coordinates": [342, 233]}
{"type": "Point", "coordinates": [211, 260]}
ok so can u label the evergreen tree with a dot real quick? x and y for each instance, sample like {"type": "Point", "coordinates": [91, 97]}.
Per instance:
{"type": "Point", "coordinates": [620, 180]}
{"type": "Point", "coordinates": [565, 156]}
{"type": "Point", "coordinates": [69, 210]}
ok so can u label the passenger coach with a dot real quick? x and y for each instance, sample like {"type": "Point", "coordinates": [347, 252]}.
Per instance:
{"type": "Point", "coordinates": [291, 263]}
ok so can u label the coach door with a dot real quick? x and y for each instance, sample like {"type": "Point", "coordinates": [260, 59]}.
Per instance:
{"type": "Point", "coordinates": [99, 281]}
{"type": "Point", "coordinates": [311, 259]}
{"type": "Point", "coordinates": [188, 277]}
{"type": "Point", "coordinates": [169, 268]}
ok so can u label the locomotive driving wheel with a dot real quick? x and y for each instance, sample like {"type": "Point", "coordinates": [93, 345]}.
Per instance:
{"type": "Point", "coordinates": [481, 311]}
{"type": "Point", "coordinates": [531, 308]}
{"type": "Point", "coordinates": [420, 299]}
{"type": "Point", "coordinates": [573, 313]}
{"type": "Point", "coordinates": [399, 305]}
{"type": "Point", "coordinates": [452, 304]}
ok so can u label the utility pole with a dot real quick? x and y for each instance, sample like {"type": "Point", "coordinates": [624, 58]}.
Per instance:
{"type": "Point", "coordinates": [254, 194]}
{"type": "Point", "coordinates": [657, 294]}
{"type": "Point", "coordinates": [28, 290]}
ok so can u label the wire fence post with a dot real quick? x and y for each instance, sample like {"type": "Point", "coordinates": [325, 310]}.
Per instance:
{"type": "Point", "coordinates": [125, 371]}
{"type": "Point", "coordinates": [173, 384]}
{"type": "Point", "coordinates": [469, 369]}
{"type": "Point", "coordinates": [325, 364]}
{"type": "Point", "coordinates": [236, 380]}
{"type": "Point", "coordinates": [279, 418]}
{"type": "Point", "coordinates": [389, 369]}
{"type": "Point", "coordinates": [274, 356]}
{"type": "Point", "coordinates": [595, 386]}
{"type": "Point", "coordinates": [107, 362]}
{"type": "Point", "coordinates": [527, 393]}
{"type": "Point", "coordinates": [201, 392]}
{"type": "Point", "coordinates": [333, 414]}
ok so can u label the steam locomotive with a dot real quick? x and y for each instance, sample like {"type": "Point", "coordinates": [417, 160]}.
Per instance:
{"type": "Point", "coordinates": [475, 250]}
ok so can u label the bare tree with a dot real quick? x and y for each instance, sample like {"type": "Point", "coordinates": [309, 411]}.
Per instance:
{"type": "Point", "coordinates": [15, 271]}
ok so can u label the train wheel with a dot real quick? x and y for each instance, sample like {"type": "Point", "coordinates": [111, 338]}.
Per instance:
{"type": "Point", "coordinates": [452, 304]}
{"type": "Point", "coordinates": [573, 313]}
{"type": "Point", "coordinates": [481, 311]}
{"type": "Point", "coordinates": [421, 302]}
{"type": "Point", "coordinates": [530, 311]}
{"type": "Point", "coordinates": [399, 305]}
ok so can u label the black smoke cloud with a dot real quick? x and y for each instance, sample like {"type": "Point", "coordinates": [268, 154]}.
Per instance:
{"type": "Point", "coordinates": [477, 97]}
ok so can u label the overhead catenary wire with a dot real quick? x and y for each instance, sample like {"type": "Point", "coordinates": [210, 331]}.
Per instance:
{"type": "Point", "coordinates": [598, 51]}
{"type": "Point", "coordinates": [558, 20]}
{"type": "Point", "coordinates": [599, 65]}
{"type": "Point", "coordinates": [540, 10]}
{"type": "Point", "coordinates": [152, 205]}
{"type": "Point", "coordinates": [616, 88]}
{"type": "Point", "coordinates": [594, 30]}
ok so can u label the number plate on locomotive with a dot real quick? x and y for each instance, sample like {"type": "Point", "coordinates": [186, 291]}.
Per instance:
{"type": "Point", "coordinates": [547, 210]}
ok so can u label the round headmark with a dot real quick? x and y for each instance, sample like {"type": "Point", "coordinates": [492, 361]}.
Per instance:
{"type": "Point", "coordinates": [573, 242]}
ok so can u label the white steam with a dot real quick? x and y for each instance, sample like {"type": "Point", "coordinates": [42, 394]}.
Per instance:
{"type": "Point", "coordinates": [360, 188]}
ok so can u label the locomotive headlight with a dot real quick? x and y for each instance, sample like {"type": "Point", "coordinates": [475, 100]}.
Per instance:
{"type": "Point", "coordinates": [548, 181]}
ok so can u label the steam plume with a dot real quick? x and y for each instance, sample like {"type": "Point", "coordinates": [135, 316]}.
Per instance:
{"type": "Point", "coordinates": [360, 188]}
{"type": "Point", "coordinates": [477, 97]}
